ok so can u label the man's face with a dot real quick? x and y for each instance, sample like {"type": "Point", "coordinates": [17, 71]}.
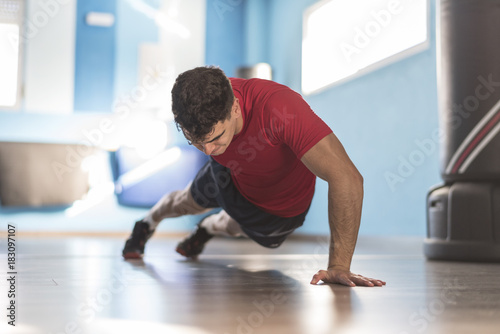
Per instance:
{"type": "Point", "coordinates": [222, 134]}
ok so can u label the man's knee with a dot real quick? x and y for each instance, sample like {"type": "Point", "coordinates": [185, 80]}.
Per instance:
{"type": "Point", "coordinates": [222, 224]}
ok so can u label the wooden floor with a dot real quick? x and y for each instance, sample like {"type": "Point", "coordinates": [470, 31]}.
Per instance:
{"type": "Point", "coordinates": [81, 285]}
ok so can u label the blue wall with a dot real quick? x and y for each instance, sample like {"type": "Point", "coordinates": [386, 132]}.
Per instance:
{"type": "Point", "coordinates": [94, 59]}
{"type": "Point", "coordinates": [378, 117]}
{"type": "Point", "coordinates": [128, 39]}
{"type": "Point", "coordinates": [225, 43]}
{"type": "Point", "coordinates": [257, 23]}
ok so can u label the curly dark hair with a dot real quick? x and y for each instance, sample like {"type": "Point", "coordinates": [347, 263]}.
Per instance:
{"type": "Point", "coordinates": [201, 98]}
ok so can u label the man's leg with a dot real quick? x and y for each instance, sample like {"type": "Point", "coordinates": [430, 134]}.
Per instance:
{"type": "Point", "coordinates": [174, 204]}
{"type": "Point", "coordinates": [222, 224]}
{"type": "Point", "coordinates": [213, 187]}
{"type": "Point", "coordinates": [216, 224]}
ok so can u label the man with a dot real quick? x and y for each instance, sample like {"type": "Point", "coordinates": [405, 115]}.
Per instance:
{"type": "Point", "coordinates": [266, 147]}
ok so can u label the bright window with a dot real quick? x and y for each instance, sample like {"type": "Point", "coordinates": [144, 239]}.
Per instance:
{"type": "Point", "coordinates": [344, 39]}
{"type": "Point", "coordinates": [9, 52]}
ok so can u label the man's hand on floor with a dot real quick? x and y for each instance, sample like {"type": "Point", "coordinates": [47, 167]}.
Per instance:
{"type": "Point", "coordinates": [344, 277]}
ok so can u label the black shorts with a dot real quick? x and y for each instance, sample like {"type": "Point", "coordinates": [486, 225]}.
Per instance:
{"type": "Point", "coordinates": [213, 188]}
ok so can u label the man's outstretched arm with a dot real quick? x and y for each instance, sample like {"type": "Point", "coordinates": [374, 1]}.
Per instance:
{"type": "Point", "coordinates": [329, 161]}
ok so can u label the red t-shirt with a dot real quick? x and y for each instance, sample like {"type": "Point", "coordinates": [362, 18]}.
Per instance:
{"type": "Point", "coordinates": [264, 158]}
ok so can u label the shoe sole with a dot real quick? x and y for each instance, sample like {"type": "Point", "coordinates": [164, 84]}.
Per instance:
{"type": "Point", "coordinates": [183, 253]}
{"type": "Point", "coordinates": [132, 256]}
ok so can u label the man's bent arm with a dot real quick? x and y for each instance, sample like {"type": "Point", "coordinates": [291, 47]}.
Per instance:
{"type": "Point", "coordinates": [329, 161]}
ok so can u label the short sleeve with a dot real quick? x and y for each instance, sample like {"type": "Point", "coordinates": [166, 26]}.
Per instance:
{"type": "Point", "coordinates": [293, 122]}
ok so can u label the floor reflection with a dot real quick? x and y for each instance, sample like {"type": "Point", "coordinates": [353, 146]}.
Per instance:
{"type": "Point", "coordinates": [219, 295]}
{"type": "Point", "coordinates": [225, 297]}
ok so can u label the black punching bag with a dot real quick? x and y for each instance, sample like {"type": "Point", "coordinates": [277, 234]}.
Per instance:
{"type": "Point", "coordinates": [463, 215]}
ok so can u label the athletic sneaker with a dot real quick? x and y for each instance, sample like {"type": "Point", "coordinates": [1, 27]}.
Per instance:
{"type": "Point", "coordinates": [193, 245]}
{"type": "Point", "coordinates": [134, 247]}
